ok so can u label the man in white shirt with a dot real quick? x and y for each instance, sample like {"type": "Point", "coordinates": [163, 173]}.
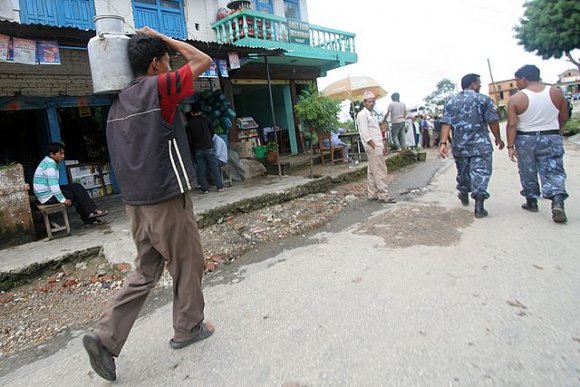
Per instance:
{"type": "Point", "coordinates": [372, 138]}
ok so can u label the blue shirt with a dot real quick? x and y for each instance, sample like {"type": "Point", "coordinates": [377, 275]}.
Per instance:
{"type": "Point", "coordinates": [469, 113]}
{"type": "Point", "coordinates": [220, 149]}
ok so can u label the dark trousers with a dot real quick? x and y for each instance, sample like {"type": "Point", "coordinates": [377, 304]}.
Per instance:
{"type": "Point", "coordinates": [425, 139]}
{"type": "Point", "coordinates": [165, 235]}
{"type": "Point", "coordinates": [206, 162]}
{"type": "Point", "coordinates": [83, 203]}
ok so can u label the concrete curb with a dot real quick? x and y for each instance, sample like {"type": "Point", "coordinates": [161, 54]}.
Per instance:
{"type": "Point", "coordinates": [10, 279]}
{"type": "Point", "coordinates": [215, 215]}
{"type": "Point", "coordinates": [321, 184]}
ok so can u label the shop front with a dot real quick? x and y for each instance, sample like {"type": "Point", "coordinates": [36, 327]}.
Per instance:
{"type": "Point", "coordinates": [29, 124]}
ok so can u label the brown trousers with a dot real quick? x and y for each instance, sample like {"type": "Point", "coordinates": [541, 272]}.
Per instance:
{"type": "Point", "coordinates": [377, 175]}
{"type": "Point", "coordinates": [165, 234]}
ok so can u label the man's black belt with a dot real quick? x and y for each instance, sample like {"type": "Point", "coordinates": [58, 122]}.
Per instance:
{"type": "Point", "coordinates": [538, 133]}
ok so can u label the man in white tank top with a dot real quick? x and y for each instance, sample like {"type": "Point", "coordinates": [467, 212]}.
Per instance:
{"type": "Point", "coordinates": [536, 115]}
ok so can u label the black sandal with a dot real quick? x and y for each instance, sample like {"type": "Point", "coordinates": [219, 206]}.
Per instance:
{"type": "Point", "coordinates": [98, 213]}
{"type": "Point", "coordinates": [204, 333]}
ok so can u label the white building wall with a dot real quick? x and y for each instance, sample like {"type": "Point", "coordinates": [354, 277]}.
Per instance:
{"type": "Point", "coordinates": [199, 15]}
{"type": "Point", "coordinates": [120, 8]}
{"type": "Point", "coordinates": [10, 10]}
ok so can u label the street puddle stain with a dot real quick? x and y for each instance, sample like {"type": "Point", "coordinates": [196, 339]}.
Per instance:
{"type": "Point", "coordinates": [413, 225]}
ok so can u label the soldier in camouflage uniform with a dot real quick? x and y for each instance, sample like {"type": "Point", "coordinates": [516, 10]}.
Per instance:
{"type": "Point", "coordinates": [469, 113]}
{"type": "Point", "coordinates": [536, 114]}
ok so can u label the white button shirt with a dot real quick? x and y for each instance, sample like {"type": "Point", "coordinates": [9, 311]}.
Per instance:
{"type": "Point", "coordinates": [368, 127]}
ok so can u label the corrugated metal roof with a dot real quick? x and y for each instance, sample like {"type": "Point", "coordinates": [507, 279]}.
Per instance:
{"type": "Point", "coordinates": [80, 37]}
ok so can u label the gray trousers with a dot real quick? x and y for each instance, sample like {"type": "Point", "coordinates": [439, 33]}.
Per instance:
{"type": "Point", "coordinates": [398, 131]}
{"type": "Point", "coordinates": [473, 173]}
{"type": "Point", "coordinates": [165, 235]}
{"type": "Point", "coordinates": [543, 156]}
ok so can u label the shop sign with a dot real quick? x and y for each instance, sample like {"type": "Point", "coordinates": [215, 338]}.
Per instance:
{"type": "Point", "coordinates": [48, 52]}
{"type": "Point", "coordinates": [212, 72]}
{"type": "Point", "coordinates": [223, 66]}
{"type": "Point", "coordinates": [24, 51]}
{"type": "Point", "coordinates": [234, 60]}
{"type": "Point", "coordinates": [299, 32]}
{"type": "Point", "coordinates": [31, 52]}
{"type": "Point", "coordinates": [6, 51]}
{"type": "Point", "coordinates": [216, 65]}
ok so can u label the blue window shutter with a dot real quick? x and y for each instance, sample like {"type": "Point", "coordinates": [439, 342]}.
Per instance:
{"type": "Point", "coordinates": [167, 20]}
{"type": "Point", "coordinates": [146, 17]}
{"type": "Point", "coordinates": [69, 13]}
{"type": "Point", "coordinates": [172, 24]}
{"type": "Point", "coordinates": [264, 6]}
{"type": "Point", "coordinates": [39, 12]}
{"type": "Point", "coordinates": [77, 13]}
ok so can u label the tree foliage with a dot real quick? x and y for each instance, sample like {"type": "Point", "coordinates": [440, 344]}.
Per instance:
{"type": "Point", "coordinates": [318, 112]}
{"type": "Point", "coordinates": [354, 108]}
{"type": "Point", "coordinates": [550, 28]}
{"type": "Point", "coordinates": [445, 89]}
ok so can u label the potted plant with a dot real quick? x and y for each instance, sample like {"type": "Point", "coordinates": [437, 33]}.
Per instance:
{"type": "Point", "coordinates": [271, 152]}
{"type": "Point", "coordinates": [318, 113]}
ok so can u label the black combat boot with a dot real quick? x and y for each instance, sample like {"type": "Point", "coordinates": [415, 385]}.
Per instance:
{"type": "Point", "coordinates": [464, 197]}
{"type": "Point", "coordinates": [531, 205]}
{"type": "Point", "coordinates": [480, 212]}
{"type": "Point", "coordinates": [558, 213]}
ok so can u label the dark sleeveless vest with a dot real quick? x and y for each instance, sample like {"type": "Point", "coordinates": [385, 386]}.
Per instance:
{"type": "Point", "coordinates": [150, 157]}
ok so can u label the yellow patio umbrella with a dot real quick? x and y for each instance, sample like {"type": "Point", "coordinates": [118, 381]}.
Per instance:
{"type": "Point", "coordinates": [353, 88]}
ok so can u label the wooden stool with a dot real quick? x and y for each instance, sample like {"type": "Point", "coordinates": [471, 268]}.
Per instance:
{"type": "Point", "coordinates": [226, 174]}
{"type": "Point", "coordinates": [48, 209]}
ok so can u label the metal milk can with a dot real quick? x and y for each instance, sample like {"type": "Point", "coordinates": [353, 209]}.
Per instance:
{"type": "Point", "coordinates": [108, 56]}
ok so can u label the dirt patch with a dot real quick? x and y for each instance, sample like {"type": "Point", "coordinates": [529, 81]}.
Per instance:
{"type": "Point", "coordinates": [67, 298]}
{"type": "Point", "coordinates": [415, 224]}
{"type": "Point", "coordinates": [74, 294]}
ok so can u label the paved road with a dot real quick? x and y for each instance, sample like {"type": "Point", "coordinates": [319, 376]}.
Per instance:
{"type": "Point", "coordinates": [415, 294]}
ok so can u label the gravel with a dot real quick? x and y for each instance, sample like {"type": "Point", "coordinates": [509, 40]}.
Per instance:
{"type": "Point", "coordinates": [74, 296]}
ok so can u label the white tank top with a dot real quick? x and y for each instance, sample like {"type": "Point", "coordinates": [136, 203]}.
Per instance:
{"type": "Point", "coordinates": [541, 113]}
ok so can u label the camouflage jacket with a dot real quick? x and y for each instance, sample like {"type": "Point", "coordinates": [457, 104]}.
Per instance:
{"type": "Point", "coordinates": [468, 113]}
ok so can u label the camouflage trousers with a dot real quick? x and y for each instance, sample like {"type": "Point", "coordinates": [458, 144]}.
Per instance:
{"type": "Point", "coordinates": [473, 173]}
{"type": "Point", "coordinates": [543, 156]}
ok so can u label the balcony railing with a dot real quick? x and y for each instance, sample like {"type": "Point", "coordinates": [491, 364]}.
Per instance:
{"type": "Point", "coordinates": [257, 25]}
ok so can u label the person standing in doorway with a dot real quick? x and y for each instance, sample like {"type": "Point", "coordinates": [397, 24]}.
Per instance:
{"type": "Point", "coordinates": [48, 191]}
{"type": "Point", "coordinates": [470, 113]}
{"type": "Point", "coordinates": [201, 137]}
{"type": "Point", "coordinates": [152, 163]}
{"type": "Point", "coordinates": [374, 144]}
{"type": "Point", "coordinates": [536, 116]}
{"type": "Point", "coordinates": [398, 112]}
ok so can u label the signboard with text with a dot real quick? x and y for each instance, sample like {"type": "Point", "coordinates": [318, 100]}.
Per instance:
{"type": "Point", "coordinates": [298, 32]}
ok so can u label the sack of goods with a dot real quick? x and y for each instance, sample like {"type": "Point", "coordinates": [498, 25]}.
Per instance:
{"type": "Point", "coordinates": [216, 107]}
